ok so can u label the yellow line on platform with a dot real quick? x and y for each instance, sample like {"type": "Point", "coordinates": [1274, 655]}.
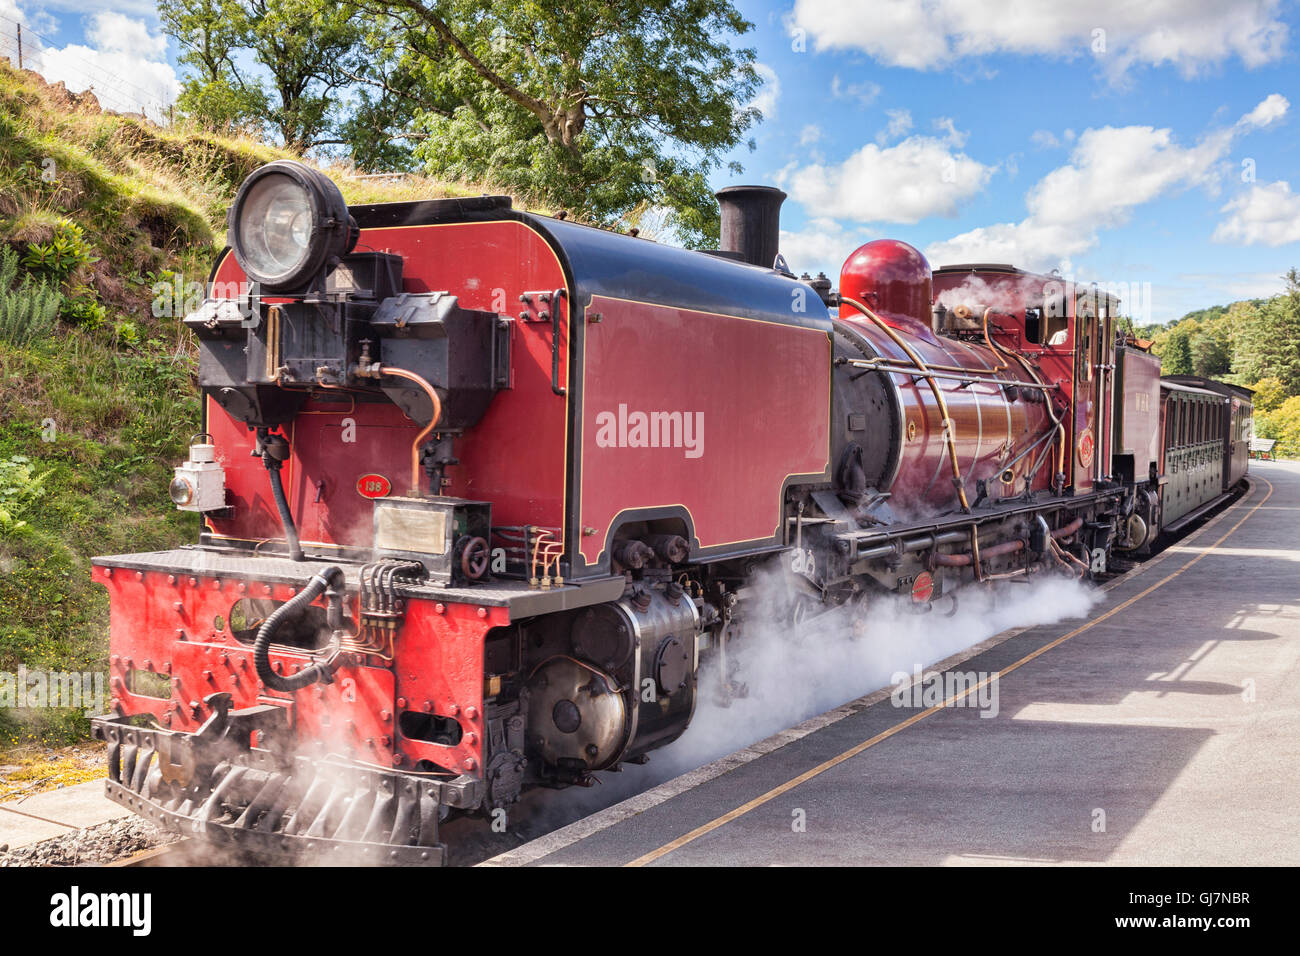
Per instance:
{"type": "Point", "coordinates": [852, 752]}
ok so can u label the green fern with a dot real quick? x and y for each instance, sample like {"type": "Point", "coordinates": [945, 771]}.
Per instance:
{"type": "Point", "coordinates": [28, 309]}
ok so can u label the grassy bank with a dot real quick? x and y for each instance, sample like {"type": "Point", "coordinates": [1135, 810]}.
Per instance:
{"type": "Point", "coordinates": [97, 392]}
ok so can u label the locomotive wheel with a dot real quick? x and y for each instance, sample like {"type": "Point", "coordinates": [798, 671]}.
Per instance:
{"type": "Point", "coordinates": [804, 608]}
{"type": "Point", "coordinates": [474, 557]}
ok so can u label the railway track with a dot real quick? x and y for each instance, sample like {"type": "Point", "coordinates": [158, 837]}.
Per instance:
{"type": "Point", "coordinates": [173, 854]}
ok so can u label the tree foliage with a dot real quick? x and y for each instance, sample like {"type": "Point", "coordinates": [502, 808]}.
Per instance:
{"type": "Point", "coordinates": [1282, 424]}
{"type": "Point", "coordinates": [1266, 341]}
{"type": "Point", "coordinates": [271, 64]}
{"type": "Point", "coordinates": [605, 108]}
{"type": "Point", "coordinates": [1175, 351]}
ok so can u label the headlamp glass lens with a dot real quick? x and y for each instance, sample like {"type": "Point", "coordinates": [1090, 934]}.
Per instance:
{"type": "Point", "coordinates": [275, 225]}
{"type": "Point", "coordinates": [181, 491]}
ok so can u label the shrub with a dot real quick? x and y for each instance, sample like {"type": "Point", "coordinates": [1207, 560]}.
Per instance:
{"type": "Point", "coordinates": [1283, 425]}
{"type": "Point", "coordinates": [129, 333]}
{"type": "Point", "coordinates": [28, 311]}
{"type": "Point", "coordinates": [66, 252]}
{"type": "Point", "coordinates": [82, 308]}
{"type": "Point", "coordinates": [20, 486]}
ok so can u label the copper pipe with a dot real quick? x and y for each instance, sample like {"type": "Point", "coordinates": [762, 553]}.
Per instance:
{"type": "Point", "coordinates": [1060, 551]}
{"type": "Point", "coordinates": [419, 439]}
{"type": "Point", "coordinates": [989, 342]}
{"type": "Point", "coordinates": [1051, 412]}
{"type": "Point", "coordinates": [1068, 529]}
{"type": "Point", "coordinates": [975, 552]}
{"type": "Point", "coordinates": [963, 559]}
{"type": "Point", "coordinates": [1009, 574]}
{"type": "Point", "coordinates": [970, 376]}
{"type": "Point", "coordinates": [938, 395]}
{"type": "Point", "coordinates": [320, 383]}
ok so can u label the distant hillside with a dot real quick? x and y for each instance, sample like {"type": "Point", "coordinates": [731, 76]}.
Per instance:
{"type": "Point", "coordinates": [1251, 342]}
{"type": "Point", "coordinates": [97, 394]}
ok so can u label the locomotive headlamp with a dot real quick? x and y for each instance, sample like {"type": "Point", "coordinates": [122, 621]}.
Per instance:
{"type": "Point", "coordinates": [181, 490]}
{"type": "Point", "coordinates": [200, 483]}
{"type": "Point", "coordinates": [288, 226]}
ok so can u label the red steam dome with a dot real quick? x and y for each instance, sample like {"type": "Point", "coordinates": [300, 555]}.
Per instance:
{"type": "Point", "coordinates": [892, 279]}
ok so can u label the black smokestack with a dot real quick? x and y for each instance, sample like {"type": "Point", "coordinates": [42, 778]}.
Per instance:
{"type": "Point", "coordinates": [751, 223]}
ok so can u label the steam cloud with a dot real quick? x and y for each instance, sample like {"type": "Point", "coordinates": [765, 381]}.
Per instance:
{"type": "Point", "coordinates": [980, 295]}
{"type": "Point", "coordinates": [797, 673]}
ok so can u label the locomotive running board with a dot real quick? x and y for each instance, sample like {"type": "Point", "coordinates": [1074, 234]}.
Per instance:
{"type": "Point", "coordinates": [877, 543]}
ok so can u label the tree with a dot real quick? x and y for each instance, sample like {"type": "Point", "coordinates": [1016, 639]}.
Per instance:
{"type": "Point", "coordinates": [600, 107]}
{"type": "Point", "coordinates": [1175, 352]}
{"type": "Point", "coordinates": [1269, 394]}
{"type": "Point", "coordinates": [306, 46]}
{"type": "Point", "coordinates": [1211, 355]}
{"type": "Point", "coordinates": [1282, 424]}
{"type": "Point", "coordinates": [210, 34]}
{"type": "Point", "coordinates": [1266, 340]}
{"type": "Point", "coordinates": [301, 51]}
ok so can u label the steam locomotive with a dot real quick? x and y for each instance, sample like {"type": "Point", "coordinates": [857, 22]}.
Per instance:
{"type": "Point", "coordinates": [481, 488]}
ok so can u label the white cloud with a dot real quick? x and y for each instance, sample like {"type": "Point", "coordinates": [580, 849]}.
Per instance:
{"type": "Point", "coordinates": [141, 8]}
{"type": "Point", "coordinates": [1233, 285]}
{"type": "Point", "coordinates": [1045, 139]}
{"type": "Point", "coordinates": [950, 132]}
{"type": "Point", "coordinates": [122, 62]}
{"type": "Point", "coordinates": [32, 21]}
{"type": "Point", "coordinates": [115, 33]}
{"type": "Point", "coordinates": [1188, 34]}
{"type": "Point", "coordinates": [820, 246]}
{"type": "Point", "coordinates": [900, 121]}
{"type": "Point", "coordinates": [769, 93]}
{"type": "Point", "coordinates": [1111, 172]}
{"type": "Point", "coordinates": [1272, 108]}
{"type": "Point", "coordinates": [1267, 215]}
{"type": "Point", "coordinates": [865, 92]}
{"type": "Point", "coordinates": [905, 183]}
{"type": "Point", "coordinates": [810, 134]}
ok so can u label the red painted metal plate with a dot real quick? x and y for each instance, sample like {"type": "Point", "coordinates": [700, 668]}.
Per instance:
{"type": "Point", "coordinates": [1087, 448]}
{"type": "Point", "coordinates": [374, 486]}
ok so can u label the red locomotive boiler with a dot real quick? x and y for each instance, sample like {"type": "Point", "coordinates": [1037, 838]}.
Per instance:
{"type": "Point", "coordinates": [480, 488]}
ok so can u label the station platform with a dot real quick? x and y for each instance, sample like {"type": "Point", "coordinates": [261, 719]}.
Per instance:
{"type": "Point", "coordinates": [56, 813]}
{"type": "Point", "coordinates": [1162, 730]}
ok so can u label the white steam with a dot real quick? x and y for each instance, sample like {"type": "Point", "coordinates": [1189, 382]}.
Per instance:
{"type": "Point", "coordinates": [794, 673]}
{"type": "Point", "coordinates": [845, 654]}
{"type": "Point", "coordinates": [978, 295]}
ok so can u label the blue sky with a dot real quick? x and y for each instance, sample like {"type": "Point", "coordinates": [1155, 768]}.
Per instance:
{"type": "Point", "coordinates": [1125, 143]}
